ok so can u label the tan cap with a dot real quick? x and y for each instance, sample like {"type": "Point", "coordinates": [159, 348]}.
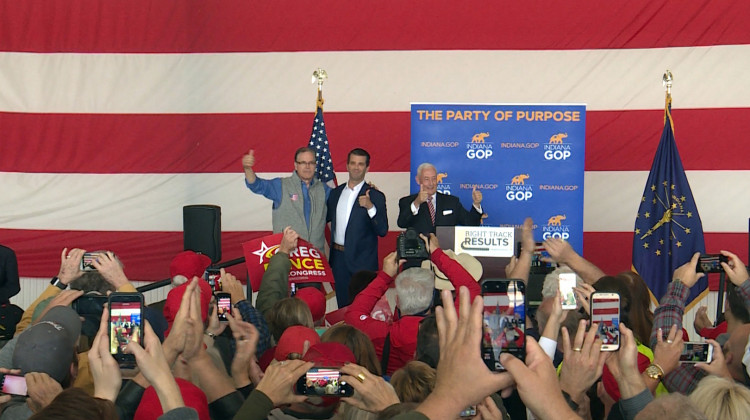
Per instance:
{"type": "Point", "coordinates": [468, 262]}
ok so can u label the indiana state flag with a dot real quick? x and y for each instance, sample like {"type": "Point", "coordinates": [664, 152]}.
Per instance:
{"type": "Point", "coordinates": [668, 229]}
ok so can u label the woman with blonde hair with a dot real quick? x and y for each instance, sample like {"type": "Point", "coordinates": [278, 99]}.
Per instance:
{"type": "Point", "coordinates": [721, 399]}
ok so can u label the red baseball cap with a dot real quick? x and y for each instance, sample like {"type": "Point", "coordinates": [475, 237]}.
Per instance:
{"type": "Point", "coordinates": [330, 354]}
{"type": "Point", "coordinates": [315, 300]}
{"type": "Point", "coordinates": [189, 264]}
{"type": "Point", "coordinates": [293, 341]}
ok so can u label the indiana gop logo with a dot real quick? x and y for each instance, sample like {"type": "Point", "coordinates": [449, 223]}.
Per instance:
{"type": "Point", "coordinates": [556, 228]}
{"type": "Point", "coordinates": [519, 189]}
{"type": "Point", "coordinates": [479, 147]}
{"type": "Point", "coordinates": [558, 148]}
{"type": "Point", "coordinates": [443, 186]}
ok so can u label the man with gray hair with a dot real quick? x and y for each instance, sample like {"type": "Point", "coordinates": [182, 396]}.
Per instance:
{"type": "Point", "coordinates": [298, 200]}
{"type": "Point", "coordinates": [396, 342]}
{"type": "Point", "coordinates": [429, 208]}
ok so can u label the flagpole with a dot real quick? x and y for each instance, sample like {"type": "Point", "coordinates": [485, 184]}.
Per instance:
{"type": "Point", "coordinates": [666, 81]}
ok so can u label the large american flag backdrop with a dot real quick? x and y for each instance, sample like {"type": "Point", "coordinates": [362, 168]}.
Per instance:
{"type": "Point", "coordinates": [114, 115]}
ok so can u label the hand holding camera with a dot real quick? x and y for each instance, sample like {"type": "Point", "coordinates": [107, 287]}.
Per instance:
{"type": "Point", "coordinates": [410, 246]}
{"type": "Point", "coordinates": [70, 268]}
{"type": "Point", "coordinates": [391, 264]}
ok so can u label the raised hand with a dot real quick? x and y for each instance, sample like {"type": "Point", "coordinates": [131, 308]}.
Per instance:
{"type": "Point", "coordinates": [364, 200]}
{"type": "Point", "coordinates": [476, 196]}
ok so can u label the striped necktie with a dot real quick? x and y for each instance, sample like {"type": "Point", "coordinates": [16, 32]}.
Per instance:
{"type": "Point", "coordinates": [432, 209]}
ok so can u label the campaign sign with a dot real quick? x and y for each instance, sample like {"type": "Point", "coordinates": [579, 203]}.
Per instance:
{"type": "Point", "coordinates": [527, 160]}
{"type": "Point", "coordinates": [480, 241]}
{"type": "Point", "coordinates": [309, 265]}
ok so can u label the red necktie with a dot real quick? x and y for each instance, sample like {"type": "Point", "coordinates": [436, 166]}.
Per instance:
{"type": "Point", "coordinates": [432, 209]}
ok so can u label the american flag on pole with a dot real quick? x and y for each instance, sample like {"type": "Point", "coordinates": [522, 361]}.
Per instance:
{"type": "Point", "coordinates": [319, 143]}
{"type": "Point", "coordinates": [114, 115]}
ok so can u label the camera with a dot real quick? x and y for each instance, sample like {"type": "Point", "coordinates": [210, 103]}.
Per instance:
{"type": "Point", "coordinates": [410, 246]}
{"type": "Point", "coordinates": [90, 304]}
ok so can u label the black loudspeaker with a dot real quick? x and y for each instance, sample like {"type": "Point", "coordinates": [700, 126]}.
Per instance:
{"type": "Point", "coordinates": [201, 226]}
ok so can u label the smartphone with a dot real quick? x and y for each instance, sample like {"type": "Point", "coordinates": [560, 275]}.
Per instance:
{"type": "Point", "coordinates": [86, 260]}
{"type": "Point", "coordinates": [213, 278]}
{"type": "Point", "coordinates": [323, 382]}
{"type": "Point", "coordinates": [224, 305]}
{"type": "Point", "coordinates": [696, 352]}
{"type": "Point", "coordinates": [13, 384]}
{"type": "Point", "coordinates": [537, 255]}
{"type": "Point", "coordinates": [567, 296]}
{"type": "Point", "coordinates": [89, 304]}
{"type": "Point", "coordinates": [605, 311]}
{"type": "Point", "coordinates": [711, 263]}
{"type": "Point", "coordinates": [125, 325]}
{"type": "Point", "coordinates": [469, 411]}
{"type": "Point", "coordinates": [503, 321]}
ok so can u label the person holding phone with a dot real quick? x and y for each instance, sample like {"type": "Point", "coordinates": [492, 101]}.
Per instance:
{"type": "Point", "coordinates": [670, 311]}
{"type": "Point", "coordinates": [414, 288]}
{"type": "Point", "coordinates": [153, 365]}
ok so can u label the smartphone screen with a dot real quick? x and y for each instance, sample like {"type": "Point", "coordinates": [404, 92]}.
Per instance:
{"type": "Point", "coordinates": [567, 296]}
{"type": "Point", "coordinates": [14, 385]}
{"type": "Point", "coordinates": [88, 257]}
{"type": "Point", "coordinates": [605, 311]}
{"type": "Point", "coordinates": [224, 305]}
{"type": "Point", "coordinates": [696, 353]}
{"type": "Point", "coordinates": [711, 263]}
{"type": "Point", "coordinates": [213, 278]}
{"type": "Point", "coordinates": [469, 411]}
{"type": "Point", "coordinates": [504, 321]}
{"type": "Point", "coordinates": [324, 382]}
{"type": "Point", "coordinates": [125, 323]}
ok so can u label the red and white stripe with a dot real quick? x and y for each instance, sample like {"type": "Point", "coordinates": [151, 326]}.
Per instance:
{"type": "Point", "coordinates": [115, 115]}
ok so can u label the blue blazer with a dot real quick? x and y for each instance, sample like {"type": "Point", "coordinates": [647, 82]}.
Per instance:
{"type": "Point", "coordinates": [361, 247]}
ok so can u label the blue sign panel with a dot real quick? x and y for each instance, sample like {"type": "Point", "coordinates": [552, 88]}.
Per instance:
{"type": "Point", "coordinates": [527, 160]}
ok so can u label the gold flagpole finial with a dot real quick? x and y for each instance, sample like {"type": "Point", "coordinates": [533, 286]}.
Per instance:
{"type": "Point", "coordinates": [666, 81]}
{"type": "Point", "coordinates": [319, 76]}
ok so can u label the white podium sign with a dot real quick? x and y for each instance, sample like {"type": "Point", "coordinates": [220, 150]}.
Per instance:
{"type": "Point", "coordinates": [481, 241]}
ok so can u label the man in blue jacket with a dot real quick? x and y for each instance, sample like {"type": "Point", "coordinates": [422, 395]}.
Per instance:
{"type": "Point", "coordinates": [358, 216]}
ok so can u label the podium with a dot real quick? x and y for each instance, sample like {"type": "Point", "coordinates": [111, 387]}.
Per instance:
{"type": "Point", "coordinates": [494, 266]}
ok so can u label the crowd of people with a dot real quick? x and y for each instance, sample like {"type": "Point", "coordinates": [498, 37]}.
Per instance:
{"type": "Point", "coordinates": [419, 357]}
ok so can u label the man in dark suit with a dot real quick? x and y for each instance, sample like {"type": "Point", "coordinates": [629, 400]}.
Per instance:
{"type": "Point", "coordinates": [429, 208]}
{"type": "Point", "coordinates": [358, 216]}
{"type": "Point", "coordinates": [9, 281]}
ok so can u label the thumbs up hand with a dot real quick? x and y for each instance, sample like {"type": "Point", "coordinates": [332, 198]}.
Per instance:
{"type": "Point", "coordinates": [364, 200]}
{"type": "Point", "coordinates": [476, 196]}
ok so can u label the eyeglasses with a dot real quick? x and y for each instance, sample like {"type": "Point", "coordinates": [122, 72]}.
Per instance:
{"type": "Point", "coordinates": [305, 163]}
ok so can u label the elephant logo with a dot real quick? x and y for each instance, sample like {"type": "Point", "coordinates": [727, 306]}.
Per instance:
{"type": "Point", "coordinates": [519, 179]}
{"type": "Point", "coordinates": [555, 220]}
{"type": "Point", "coordinates": [440, 177]}
{"type": "Point", "coordinates": [557, 138]}
{"type": "Point", "coordinates": [479, 137]}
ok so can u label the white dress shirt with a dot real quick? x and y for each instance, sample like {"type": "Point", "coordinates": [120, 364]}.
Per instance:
{"type": "Point", "coordinates": [347, 201]}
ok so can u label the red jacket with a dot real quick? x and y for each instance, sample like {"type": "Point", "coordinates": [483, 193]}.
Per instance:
{"type": "Point", "coordinates": [713, 332]}
{"type": "Point", "coordinates": [404, 330]}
